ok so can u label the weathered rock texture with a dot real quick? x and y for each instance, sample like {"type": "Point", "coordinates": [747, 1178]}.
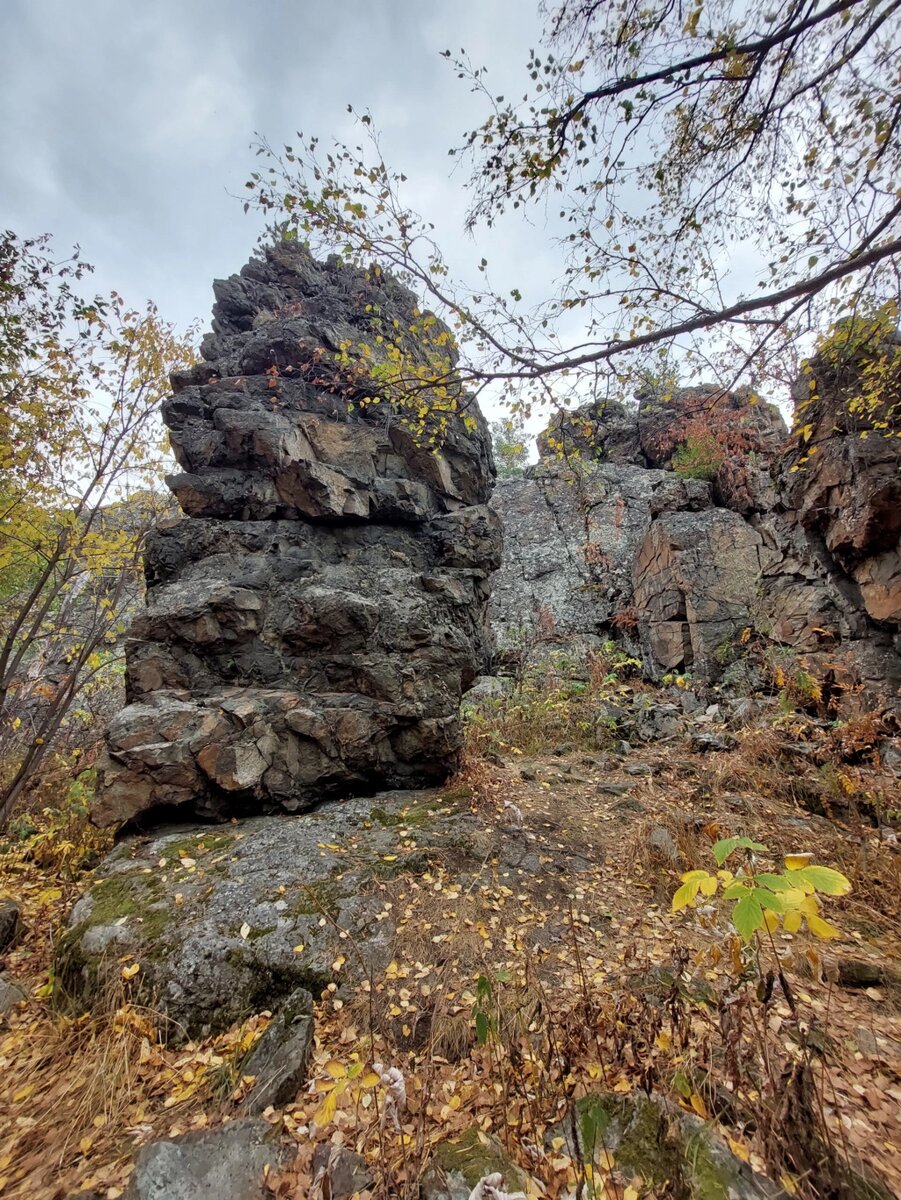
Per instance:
{"type": "Point", "coordinates": [604, 540]}
{"type": "Point", "coordinates": [313, 620]}
{"type": "Point", "coordinates": [228, 921]}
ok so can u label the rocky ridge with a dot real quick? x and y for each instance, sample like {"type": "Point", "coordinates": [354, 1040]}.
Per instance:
{"type": "Point", "coordinates": [313, 620]}
{"type": "Point", "coordinates": [759, 541]}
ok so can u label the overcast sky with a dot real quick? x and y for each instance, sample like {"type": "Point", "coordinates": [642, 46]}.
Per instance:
{"type": "Point", "coordinates": [127, 126]}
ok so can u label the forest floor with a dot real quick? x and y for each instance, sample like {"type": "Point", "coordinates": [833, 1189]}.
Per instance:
{"type": "Point", "coordinates": [511, 996]}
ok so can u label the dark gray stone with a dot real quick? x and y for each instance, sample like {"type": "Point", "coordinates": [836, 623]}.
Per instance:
{"type": "Point", "coordinates": [10, 995]}
{"type": "Point", "coordinates": [210, 1165]}
{"type": "Point", "coordinates": [314, 620]}
{"type": "Point", "coordinates": [280, 1058]}
{"type": "Point", "coordinates": [614, 789]}
{"type": "Point", "coordinates": [10, 923]}
{"type": "Point", "coordinates": [347, 1172]}
{"type": "Point", "coordinates": [662, 845]}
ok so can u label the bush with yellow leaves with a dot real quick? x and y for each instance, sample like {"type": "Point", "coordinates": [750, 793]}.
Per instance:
{"type": "Point", "coordinates": [765, 899]}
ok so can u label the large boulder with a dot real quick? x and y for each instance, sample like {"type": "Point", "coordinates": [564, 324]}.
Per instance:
{"type": "Point", "coordinates": [313, 621]}
{"type": "Point", "coordinates": [227, 921]}
{"type": "Point", "coordinates": [601, 431]}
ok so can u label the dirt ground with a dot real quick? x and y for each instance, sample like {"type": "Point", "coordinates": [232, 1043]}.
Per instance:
{"type": "Point", "coordinates": [551, 972]}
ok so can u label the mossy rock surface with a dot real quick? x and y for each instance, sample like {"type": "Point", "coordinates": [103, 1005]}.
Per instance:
{"type": "Point", "coordinates": [672, 1151]}
{"type": "Point", "coordinates": [458, 1164]}
{"type": "Point", "coordinates": [224, 921]}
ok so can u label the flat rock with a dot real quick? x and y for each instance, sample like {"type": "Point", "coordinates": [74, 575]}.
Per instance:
{"type": "Point", "coordinates": [211, 1165]}
{"type": "Point", "coordinates": [229, 920]}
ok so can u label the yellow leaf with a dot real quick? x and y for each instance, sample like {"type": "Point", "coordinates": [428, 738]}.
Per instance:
{"type": "Point", "coordinates": [708, 886]}
{"type": "Point", "coordinates": [794, 862]}
{"type": "Point", "coordinates": [336, 1069]}
{"type": "Point", "coordinates": [792, 922]}
{"type": "Point", "coordinates": [698, 1105]}
{"type": "Point", "coordinates": [771, 920]}
{"type": "Point", "coordinates": [739, 1150]}
{"type": "Point", "coordinates": [630, 1193]}
{"type": "Point", "coordinates": [130, 971]}
{"type": "Point", "coordinates": [370, 1079]}
{"type": "Point", "coordinates": [822, 929]}
{"type": "Point", "coordinates": [85, 1144]}
{"type": "Point", "coordinates": [326, 1112]}
{"type": "Point", "coordinates": [685, 895]}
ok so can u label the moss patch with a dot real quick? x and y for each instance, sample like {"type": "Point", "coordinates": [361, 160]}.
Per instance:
{"type": "Point", "coordinates": [473, 1155]}
{"type": "Point", "coordinates": [316, 899]}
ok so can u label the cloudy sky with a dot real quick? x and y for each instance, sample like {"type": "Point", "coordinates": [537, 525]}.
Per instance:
{"type": "Point", "coordinates": [127, 126]}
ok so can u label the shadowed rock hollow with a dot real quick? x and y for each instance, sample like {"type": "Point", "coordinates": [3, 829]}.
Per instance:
{"type": "Point", "coordinates": [313, 620]}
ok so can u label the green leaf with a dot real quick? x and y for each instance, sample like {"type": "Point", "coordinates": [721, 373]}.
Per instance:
{"type": "Point", "coordinates": [825, 880]}
{"type": "Point", "coordinates": [776, 883]}
{"type": "Point", "coordinates": [767, 899]}
{"type": "Point", "coordinates": [725, 847]}
{"type": "Point", "coordinates": [482, 1027]}
{"type": "Point", "coordinates": [682, 1084]}
{"type": "Point", "coordinates": [747, 916]}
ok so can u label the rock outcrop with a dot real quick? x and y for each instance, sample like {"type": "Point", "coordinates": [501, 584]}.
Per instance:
{"type": "Point", "coordinates": [314, 619]}
{"type": "Point", "coordinates": [843, 479]}
{"type": "Point", "coordinates": [228, 921]}
{"type": "Point", "coordinates": [755, 536]}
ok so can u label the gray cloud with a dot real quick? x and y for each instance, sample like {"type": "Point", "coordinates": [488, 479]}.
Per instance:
{"type": "Point", "coordinates": [127, 126]}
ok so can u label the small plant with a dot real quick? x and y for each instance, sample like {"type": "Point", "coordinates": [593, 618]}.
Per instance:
{"type": "Point", "coordinates": [765, 899]}
{"type": "Point", "coordinates": [626, 620]}
{"type": "Point", "coordinates": [678, 679]}
{"type": "Point", "coordinates": [698, 457]}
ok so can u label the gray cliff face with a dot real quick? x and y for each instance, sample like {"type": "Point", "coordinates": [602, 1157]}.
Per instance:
{"type": "Point", "coordinates": [604, 540]}
{"type": "Point", "coordinates": [313, 620]}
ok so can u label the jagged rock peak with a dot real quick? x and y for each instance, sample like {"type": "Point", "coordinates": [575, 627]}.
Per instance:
{"type": "Point", "coordinates": [313, 620]}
